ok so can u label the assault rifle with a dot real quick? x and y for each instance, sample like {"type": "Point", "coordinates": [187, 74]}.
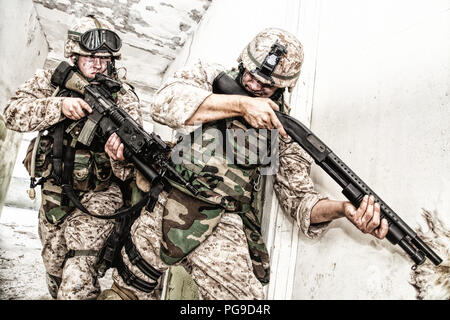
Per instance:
{"type": "Point", "coordinates": [353, 187]}
{"type": "Point", "coordinates": [147, 151]}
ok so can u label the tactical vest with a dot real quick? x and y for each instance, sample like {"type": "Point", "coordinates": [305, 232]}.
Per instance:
{"type": "Point", "coordinates": [91, 165]}
{"type": "Point", "coordinates": [226, 185]}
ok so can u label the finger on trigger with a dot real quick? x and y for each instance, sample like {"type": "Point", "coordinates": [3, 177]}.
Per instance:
{"type": "Point", "coordinates": [85, 106]}
{"type": "Point", "coordinates": [79, 111]}
{"type": "Point", "coordinates": [112, 140]}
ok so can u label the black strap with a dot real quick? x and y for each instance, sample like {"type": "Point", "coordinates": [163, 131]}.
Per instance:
{"type": "Point", "coordinates": [137, 260]}
{"type": "Point", "coordinates": [70, 193]}
{"type": "Point", "coordinates": [76, 253]}
{"type": "Point", "coordinates": [110, 255]}
{"type": "Point", "coordinates": [132, 280]}
{"type": "Point", "coordinates": [57, 151]}
{"type": "Point", "coordinates": [68, 161]}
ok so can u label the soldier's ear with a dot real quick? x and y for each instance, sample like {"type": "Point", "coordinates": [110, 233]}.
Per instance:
{"type": "Point", "coordinates": [74, 59]}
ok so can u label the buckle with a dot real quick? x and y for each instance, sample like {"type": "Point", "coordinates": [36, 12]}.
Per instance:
{"type": "Point", "coordinates": [129, 277]}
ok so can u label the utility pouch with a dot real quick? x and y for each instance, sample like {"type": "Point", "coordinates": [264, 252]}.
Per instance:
{"type": "Point", "coordinates": [51, 204]}
{"type": "Point", "coordinates": [43, 161]}
{"type": "Point", "coordinates": [102, 170]}
{"type": "Point", "coordinates": [81, 169]}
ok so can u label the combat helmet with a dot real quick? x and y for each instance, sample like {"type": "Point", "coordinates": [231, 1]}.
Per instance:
{"type": "Point", "coordinates": [274, 57]}
{"type": "Point", "coordinates": [92, 36]}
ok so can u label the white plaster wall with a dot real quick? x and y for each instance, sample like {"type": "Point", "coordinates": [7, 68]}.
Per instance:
{"type": "Point", "coordinates": [381, 103]}
{"type": "Point", "coordinates": [23, 49]}
{"type": "Point", "coordinates": [226, 29]}
{"type": "Point", "coordinates": [375, 86]}
{"type": "Point", "coordinates": [152, 33]}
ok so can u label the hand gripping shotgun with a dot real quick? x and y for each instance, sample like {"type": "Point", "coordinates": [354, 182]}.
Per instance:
{"type": "Point", "coordinates": [353, 187]}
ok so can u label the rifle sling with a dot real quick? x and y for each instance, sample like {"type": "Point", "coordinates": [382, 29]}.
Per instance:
{"type": "Point", "coordinates": [70, 193]}
{"type": "Point", "coordinates": [57, 152]}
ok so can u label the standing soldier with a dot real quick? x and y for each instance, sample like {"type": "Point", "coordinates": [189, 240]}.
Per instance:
{"type": "Point", "coordinates": [70, 238]}
{"type": "Point", "coordinates": [216, 235]}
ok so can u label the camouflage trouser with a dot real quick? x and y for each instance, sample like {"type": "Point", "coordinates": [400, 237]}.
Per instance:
{"type": "Point", "coordinates": [75, 277]}
{"type": "Point", "coordinates": [220, 266]}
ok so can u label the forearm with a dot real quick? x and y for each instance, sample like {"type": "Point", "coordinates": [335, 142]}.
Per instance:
{"type": "Point", "coordinates": [295, 188]}
{"type": "Point", "coordinates": [327, 210]}
{"type": "Point", "coordinates": [26, 114]}
{"type": "Point", "coordinates": [181, 95]}
{"type": "Point", "coordinates": [33, 107]}
{"type": "Point", "coordinates": [216, 107]}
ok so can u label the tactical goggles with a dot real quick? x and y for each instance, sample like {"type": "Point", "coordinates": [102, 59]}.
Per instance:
{"type": "Point", "coordinates": [96, 39]}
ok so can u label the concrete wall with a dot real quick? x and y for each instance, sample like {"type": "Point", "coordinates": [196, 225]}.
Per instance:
{"type": "Point", "coordinates": [381, 103]}
{"type": "Point", "coordinates": [23, 49]}
{"type": "Point", "coordinates": [152, 33]}
{"type": "Point", "coordinates": [374, 87]}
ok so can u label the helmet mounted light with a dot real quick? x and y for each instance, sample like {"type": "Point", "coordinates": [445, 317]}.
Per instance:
{"type": "Point", "coordinates": [266, 69]}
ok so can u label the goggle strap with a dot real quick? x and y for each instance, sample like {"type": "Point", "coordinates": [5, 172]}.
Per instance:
{"type": "Point", "coordinates": [73, 35]}
{"type": "Point", "coordinates": [97, 23]}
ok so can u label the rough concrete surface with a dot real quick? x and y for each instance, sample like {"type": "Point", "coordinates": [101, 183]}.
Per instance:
{"type": "Point", "coordinates": [22, 273]}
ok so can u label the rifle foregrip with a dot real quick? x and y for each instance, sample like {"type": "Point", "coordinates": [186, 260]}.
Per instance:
{"type": "Point", "coordinates": [148, 172]}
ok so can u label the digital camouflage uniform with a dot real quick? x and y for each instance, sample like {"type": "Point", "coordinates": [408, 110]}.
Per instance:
{"type": "Point", "coordinates": [33, 108]}
{"type": "Point", "coordinates": [221, 264]}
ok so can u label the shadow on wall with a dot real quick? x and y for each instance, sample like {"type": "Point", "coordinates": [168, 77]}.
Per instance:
{"type": "Point", "coordinates": [2, 129]}
{"type": "Point", "coordinates": [433, 282]}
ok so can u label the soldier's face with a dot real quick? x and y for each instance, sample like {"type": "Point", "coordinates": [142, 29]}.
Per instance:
{"type": "Point", "coordinates": [256, 87]}
{"type": "Point", "coordinates": [90, 66]}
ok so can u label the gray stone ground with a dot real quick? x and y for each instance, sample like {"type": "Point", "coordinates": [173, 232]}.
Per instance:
{"type": "Point", "coordinates": [22, 273]}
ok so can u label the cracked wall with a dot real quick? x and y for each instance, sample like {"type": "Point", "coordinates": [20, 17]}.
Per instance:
{"type": "Point", "coordinates": [152, 32]}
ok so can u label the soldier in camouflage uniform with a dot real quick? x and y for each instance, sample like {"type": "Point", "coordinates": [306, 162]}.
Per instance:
{"type": "Point", "coordinates": [70, 238]}
{"type": "Point", "coordinates": [216, 235]}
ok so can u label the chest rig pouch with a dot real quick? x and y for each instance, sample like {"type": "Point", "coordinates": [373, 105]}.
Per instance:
{"type": "Point", "coordinates": [220, 159]}
{"type": "Point", "coordinates": [56, 158]}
